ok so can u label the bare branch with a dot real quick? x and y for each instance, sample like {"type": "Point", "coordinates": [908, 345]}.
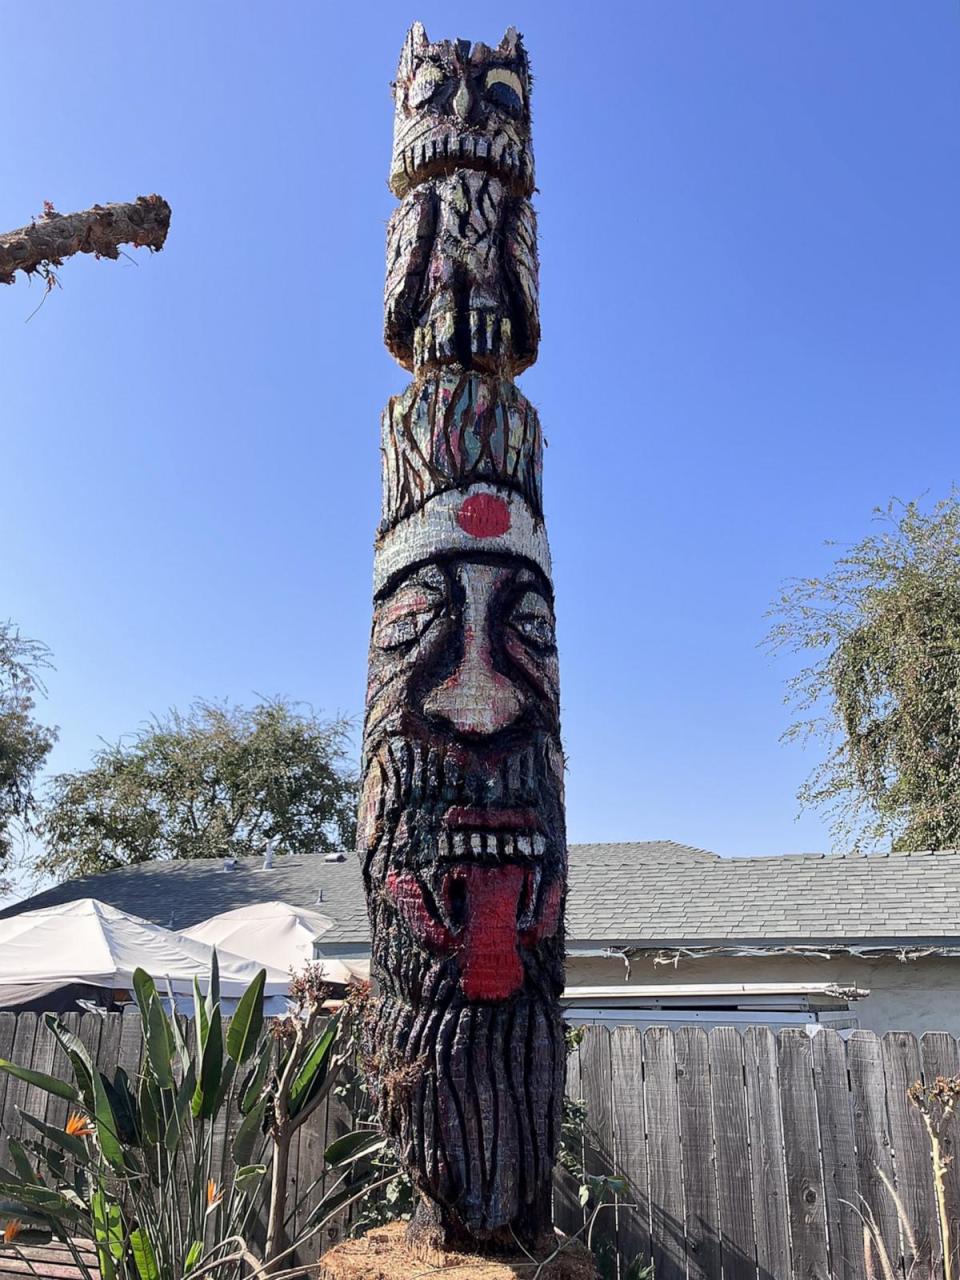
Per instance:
{"type": "Point", "coordinates": [100, 230]}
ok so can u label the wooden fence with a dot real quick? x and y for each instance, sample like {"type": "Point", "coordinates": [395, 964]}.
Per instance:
{"type": "Point", "coordinates": [745, 1155]}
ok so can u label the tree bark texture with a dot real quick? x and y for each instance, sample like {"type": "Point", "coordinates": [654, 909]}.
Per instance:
{"type": "Point", "coordinates": [100, 230]}
{"type": "Point", "coordinates": [462, 832]}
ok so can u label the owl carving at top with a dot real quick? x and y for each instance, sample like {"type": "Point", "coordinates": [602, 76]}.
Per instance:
{"type": "Point", "coordinates": [462, 272]}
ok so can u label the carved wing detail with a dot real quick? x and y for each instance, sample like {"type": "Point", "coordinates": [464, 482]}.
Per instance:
{"type": "Point", "coordinates": [410, 235]}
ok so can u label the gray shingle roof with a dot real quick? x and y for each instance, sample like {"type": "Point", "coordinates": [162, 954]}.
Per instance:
{"type": "Point", "coordinates": [648, 893]}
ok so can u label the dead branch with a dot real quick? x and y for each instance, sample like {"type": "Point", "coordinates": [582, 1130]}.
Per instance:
{"type": "Point", "coordinates": [101, 230]}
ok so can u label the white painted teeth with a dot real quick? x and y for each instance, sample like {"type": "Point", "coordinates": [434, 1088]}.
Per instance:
{"type": "Point", "coordinates": [477, 843]}
{"type": "Point", "coordinates": [539, 846]}
{"type": "Point", "coordinates": [525, 846]}
{"type": "Point", "coordinates": [461, 844]}
{"type": "Point", "coordinates": [508, 846]}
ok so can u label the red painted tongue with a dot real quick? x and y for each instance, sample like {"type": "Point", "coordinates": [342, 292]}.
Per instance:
{"type": "Point", "coordinates": [491, 968]}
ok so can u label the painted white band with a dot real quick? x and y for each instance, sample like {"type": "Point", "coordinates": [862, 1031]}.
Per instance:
{"type": "Point", "coordinates": [442, 526]}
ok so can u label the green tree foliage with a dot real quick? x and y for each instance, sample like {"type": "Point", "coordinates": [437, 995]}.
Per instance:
{"type": "Point", "coordinates": [24, 744]}
{"type": "Point", "coordinates": [216, 782]}
{"type": "Point", "coordinates": [883, 690]}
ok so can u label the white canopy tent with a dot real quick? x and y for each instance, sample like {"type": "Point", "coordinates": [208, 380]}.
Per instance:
{"type": "Point", "coordinates": [274, 933]}
{"type": "Point", "coordinates": [270, 932]}
{"type": "Point", "coordinates": [91, 943]}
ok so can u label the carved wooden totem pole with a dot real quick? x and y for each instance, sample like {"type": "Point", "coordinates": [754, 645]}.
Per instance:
{"type": "Point", "coordinates": [461, 817]}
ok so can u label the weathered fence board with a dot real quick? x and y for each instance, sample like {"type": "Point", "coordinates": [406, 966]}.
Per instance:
{"type": "Point", "coordinates": [871, 1134]}
{"type": "Point", "coordinates": [744, 1155]}
{"type": "Point", "coordinates": [801, 1143]}
{"type": "Point", "coordinates": [701, 1212]}
{"type": "Point", "coordinates": [941, 1057]}
{"type": "Point", "coordinates": [630, 1146]}
{"type": "Point", "coordinates": [663, 1153]}
{"type": "Point", "coordinates": [911, 1155]}
{"type": "Point", "coordinates": [768, 1169]}
{"type": "Point", "coordinates": [838, 1156]}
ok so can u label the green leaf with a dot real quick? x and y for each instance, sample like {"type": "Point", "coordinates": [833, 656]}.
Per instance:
{"type": "Point", "coordinates": [249, 1173]}
{"type": "Point", "coordinates": [21, 1162]}
{"type": "Point", "coordinates": [256, 1078]}
{"type": "Point", "coordinates": [159, 1041]}
{"type": "Point", "coordinates": [144, 1256]}
{"type": "Point", "coordinates": [124, 1107]}
{"type": "Point", "coordinates": [314, 1069]}
{"type": "Point", "coordinates": [174, 1130]}
{"type": "Point", "coordinates": [211, 1069]}
{"type": "Point", "coordinates": [66, 1141]}
{"type": "Point", "coordinates": [51, 1203]}
{"type": "Point", "coordinates": [80, 1060]}
{"type": "Point", "coordinates": [50, 1084]}
{"type": "Point", "coordinates": [145, 990]}
{"type": "Point", "coordinates": [148, 1098]}
{"type": "Point", "coordinates": [353, 1146]}
{"type": "Point", "coordinates": [200, 1014]}
{"type": "Point", "coordinates": [213, 991]}
{"type": "Point", "coordinates": [106, 1124]}
{"type": "Point", "coordinates": [247, 1022]}
{"type": "Point", "coordinates": [194, 1254]}
{"type": "Point", "coordinates": [251, 1128]}
{"type": "Point", "coordinates": [108, 1232]}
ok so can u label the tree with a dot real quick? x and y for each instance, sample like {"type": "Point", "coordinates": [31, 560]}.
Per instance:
{"type": "Point", "coordinates": [884, 690]}
{"type": "Point", "coordinates": [215, 782]}
{"type": "Point", "coordinates": [24, 744]}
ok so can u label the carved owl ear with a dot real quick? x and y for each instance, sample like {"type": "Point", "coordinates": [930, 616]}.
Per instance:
{"type": "Point", "coordinates": [414, 44]}
{"type": "Point", "coordinates": [511, 41]}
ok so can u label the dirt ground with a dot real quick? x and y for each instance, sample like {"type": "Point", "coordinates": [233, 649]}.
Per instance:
{"type": "Point", "coordinates": [383, 1254]}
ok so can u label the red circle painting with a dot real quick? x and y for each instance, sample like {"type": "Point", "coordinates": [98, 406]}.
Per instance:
{"type": "Point", "coordinates": [484, 516]}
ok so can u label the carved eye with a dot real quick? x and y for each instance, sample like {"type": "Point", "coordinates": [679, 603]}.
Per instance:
{"type": "Point", "coordinates": [425, 83]}
{"type": "Point", "coordinates": [532, 619]}
{"type": "Point", "coordinates": [405, 617]}
{"type": "Point", "coordinates": [504, 90]}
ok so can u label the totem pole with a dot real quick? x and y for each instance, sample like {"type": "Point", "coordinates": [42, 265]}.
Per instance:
{"type": "Point", "coordinates": [461, 827]}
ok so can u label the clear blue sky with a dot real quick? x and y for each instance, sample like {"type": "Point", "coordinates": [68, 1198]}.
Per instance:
{"type": "Point", "coordinates": [749, 221]}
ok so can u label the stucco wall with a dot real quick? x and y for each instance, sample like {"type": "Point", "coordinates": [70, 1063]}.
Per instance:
{"type": "Point", "coordinates": [919, 995]}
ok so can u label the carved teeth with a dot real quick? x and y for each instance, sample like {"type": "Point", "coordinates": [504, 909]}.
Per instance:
{"type": "Point", "coordinates": [461, 844]}
{"type": "Point", "coordinates": [508, 846]}
{"type": "Point", "coordinates": [477, 843]}
{"type": "Point", "coordinates": [539, 846]}
{"type": "Point", "coordinates": [525, 846]}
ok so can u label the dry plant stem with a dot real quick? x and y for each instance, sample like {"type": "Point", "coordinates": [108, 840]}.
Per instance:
{"type": "Point", "coordinates": [100, 230]}
{"type": "Point", "coordinates": [939, 1183]}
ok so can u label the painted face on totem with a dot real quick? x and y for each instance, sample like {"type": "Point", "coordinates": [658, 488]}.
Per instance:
{"type": "Point", "coordinates": [462, 809]}
{"type": "Point", "coordinates": [461, 106]}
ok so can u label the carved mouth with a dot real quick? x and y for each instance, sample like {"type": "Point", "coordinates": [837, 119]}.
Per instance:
{"type": "Point", "coordinates": [458, 890]}
{"type": "Point", "coordinates": [441, 156]}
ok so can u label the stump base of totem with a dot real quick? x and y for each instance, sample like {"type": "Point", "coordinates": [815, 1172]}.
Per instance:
{"type": "Point", "coordinates": [385, 1253]}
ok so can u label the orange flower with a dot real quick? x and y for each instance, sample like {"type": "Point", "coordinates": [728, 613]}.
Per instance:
{"type": "Point", "coordinates": [213, 1195]}
{"type": "Point", "coordinates": [12, 1230]}
{"type": "Point", "coordinates": [79, 1126]}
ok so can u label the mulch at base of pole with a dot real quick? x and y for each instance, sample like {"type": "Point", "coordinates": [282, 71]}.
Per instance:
{"type": "Point", "coordinates": [383, 1254]}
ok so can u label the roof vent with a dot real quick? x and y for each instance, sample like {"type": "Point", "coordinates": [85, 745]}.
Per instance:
{"type": "Point", "coordinates": [268, 853]}
{"type": "Point", "coordinates": [335, 857]}
{"type": "Point", "coordinates": [230, 864]}
{"type": "Point", "coordinates": [319, 895]}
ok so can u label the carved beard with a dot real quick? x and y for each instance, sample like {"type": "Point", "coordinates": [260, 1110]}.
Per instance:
{"type": "Point", "coordinates": [465, 1042]}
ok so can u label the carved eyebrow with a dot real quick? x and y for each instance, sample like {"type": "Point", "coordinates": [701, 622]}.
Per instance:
{"type": "Point", "coordinates": [500, 75]}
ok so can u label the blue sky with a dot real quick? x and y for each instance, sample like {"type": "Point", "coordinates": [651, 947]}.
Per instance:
{"type": "Point", "coordinates": [751, 313]}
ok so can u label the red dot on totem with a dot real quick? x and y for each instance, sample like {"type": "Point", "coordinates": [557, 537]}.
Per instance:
{"type": "Point", "coordinates": [484, 516]}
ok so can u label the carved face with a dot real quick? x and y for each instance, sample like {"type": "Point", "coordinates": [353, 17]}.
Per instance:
{"type": "Point", "coordinates": [461, 817]}
{"type": "Point", "coordinates": [461, 107]}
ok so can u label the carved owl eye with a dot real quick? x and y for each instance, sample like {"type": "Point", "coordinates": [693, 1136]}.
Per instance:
{"type": "Point", "coordinates": [425, 84]}
{"type": "Point", "coordinates": [504, 90]}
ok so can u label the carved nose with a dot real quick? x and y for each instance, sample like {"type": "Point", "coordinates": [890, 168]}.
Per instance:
{"type": "Point", "coordinates": [476, 699]}
{"type": "Point", "coordinates": [463, 100]}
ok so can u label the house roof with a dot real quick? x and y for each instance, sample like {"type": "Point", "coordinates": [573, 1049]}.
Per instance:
{"type": "Point", "coordinates": [645, 894]}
